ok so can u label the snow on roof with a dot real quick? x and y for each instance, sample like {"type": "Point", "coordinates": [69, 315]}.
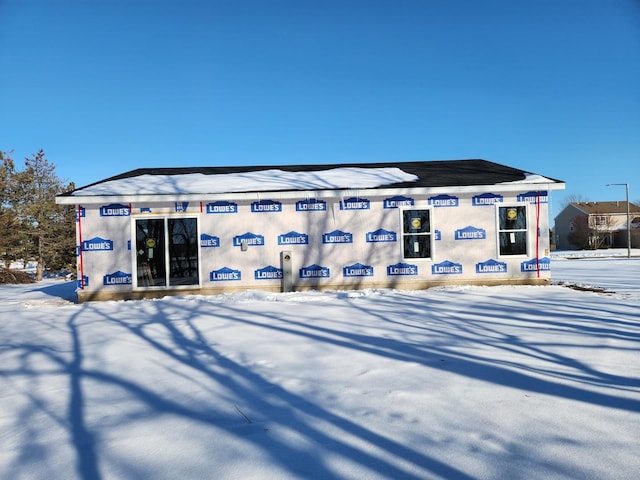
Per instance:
{"type": "Point", "coordinates": [256, 181]}
{"type": "Point", "coordinates": [533, 178]}
{"type": "Point", "coordinates": [445, 176]}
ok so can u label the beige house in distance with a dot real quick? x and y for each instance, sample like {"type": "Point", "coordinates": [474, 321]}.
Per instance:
{"type": "Point", "coordinates": [601, 224]}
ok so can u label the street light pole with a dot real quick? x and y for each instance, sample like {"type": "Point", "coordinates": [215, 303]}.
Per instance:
{"type": "Point", "coordinates": [626, 186]}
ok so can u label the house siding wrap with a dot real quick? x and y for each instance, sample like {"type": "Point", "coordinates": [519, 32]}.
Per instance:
{"type": "Point", "coordinates": [393, 237]}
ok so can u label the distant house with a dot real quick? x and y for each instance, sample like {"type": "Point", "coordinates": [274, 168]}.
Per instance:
{"type": "Point", "coordinates": [594, 225]}
{"type": "Point", "coordinates": [407, 225]}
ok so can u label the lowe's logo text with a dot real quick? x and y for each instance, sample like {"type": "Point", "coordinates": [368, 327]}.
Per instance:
{"type": "Point", "coordinates": [115, 210]}
{"type": "Point", "coordinates": [402, 269]}
{"type": "Point", "coordinates": [80, 213]}
{"type": "Point", "coordinates": [337, 236]}
{"type": "Point", "coordinates": [181, 206]}
{"type": "Point", "coordinates": [398, 201]}
{"type": "Point", "coordinates": [311, 205]}
{"type": "Point", "coordinates": [358, 270]}
{"type": "Point", "coordinates": [491, 266]}
{"type": "Point", "coordinates": [446, 268]}
{"type": "Point", "coordinates": [315, 271]}
{"type": "Point", "coordinates": [222, 207]}
{"type": "Point", "coordinates": [437, 234]}
{"type": "Point", "coordinates": [471, 233]}
{"type": "Point", "coordinates": [97, 244]}
{"type": "Point", "coordinates": [381, 235]}
{"type": "Point", "coordinates": [533, 197]}
{"type": "Point", "coordinates": [443, 201]}
{"type": "Point", "coordinates": [355, 203]}
{"type": "Point", "coordinates": [207, 240]}
{"type": "Point", "coordinates": [268, 273]}
{"type": "Point", "coordinates": [248, 239]}
{"type": "Point", "coordinates": [485, 199]}
{"type": "Point", "coordinates": [266, 206]}
{"type": "Point", "coordinates": [224, 274]}
{"type": "Point", "coordinates": [84, 282]}
{"type": "Point", "coordinates": [293, 238]}
{"type": "Point", "coordinates": [543, 264]}
{"type": "Point", "coordinates": [117, 278]}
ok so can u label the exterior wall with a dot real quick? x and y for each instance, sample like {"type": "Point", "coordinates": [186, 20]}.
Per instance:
{"type": "Point", "coordinates": [617, 226]}
{"type": "Point", "coordinates": [605, 226]}
{"type": "Point", "coordinates": [562, 227]}
{"type": "Point", "coordinates": [351, 243]}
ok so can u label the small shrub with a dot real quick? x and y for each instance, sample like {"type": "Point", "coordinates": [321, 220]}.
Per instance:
{"type": "Point", "coordinates": [14, 276]}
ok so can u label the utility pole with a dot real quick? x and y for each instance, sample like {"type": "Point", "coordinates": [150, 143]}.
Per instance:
{"type": "Point", "coordinates": [626, 186]}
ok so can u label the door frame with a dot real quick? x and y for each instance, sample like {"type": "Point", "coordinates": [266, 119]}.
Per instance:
{"type": "Point", "coordinates": [167, 259]}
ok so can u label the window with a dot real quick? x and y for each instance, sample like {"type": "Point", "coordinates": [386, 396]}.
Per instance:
{"type": "Point", "coordinates": [601, 220]}
{"type": "Point", "coordinates": [416, 234]}
{"type": "Point", "coordinates": [512, 230]}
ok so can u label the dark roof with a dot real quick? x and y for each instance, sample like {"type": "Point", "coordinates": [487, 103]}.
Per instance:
{"type": "Point", "coordinates": [435, 173]}
{"type": "Point", "coordinates": [613, 207]}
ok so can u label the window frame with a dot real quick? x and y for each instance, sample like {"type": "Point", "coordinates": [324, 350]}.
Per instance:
{"type": "Point", "coordinates": [430, 234]}
{"type": "Point", "coordinates": [524, 230]}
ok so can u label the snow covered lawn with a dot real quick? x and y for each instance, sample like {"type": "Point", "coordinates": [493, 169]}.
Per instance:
{"type": "Point", "coordinates": [455, 383]}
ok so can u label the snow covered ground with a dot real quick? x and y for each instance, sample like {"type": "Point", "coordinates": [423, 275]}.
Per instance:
{"type": "Point", "coordinates": [456, 383]}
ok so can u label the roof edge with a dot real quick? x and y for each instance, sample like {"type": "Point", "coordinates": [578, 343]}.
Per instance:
{"type": "Point", "coordinates": [293, 194]}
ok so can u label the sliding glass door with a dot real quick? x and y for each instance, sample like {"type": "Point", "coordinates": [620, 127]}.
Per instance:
{"type": "Point", "coordinates": [166, 252]}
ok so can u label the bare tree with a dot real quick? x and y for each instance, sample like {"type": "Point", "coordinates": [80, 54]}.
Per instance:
{"type": "Point", "coordinates": [591, 232]}
{"type": "Point", "coordinates": [573, 198]}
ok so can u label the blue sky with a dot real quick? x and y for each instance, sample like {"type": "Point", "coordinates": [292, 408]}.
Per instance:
{"type": "Point", "coordinates": [548, 86]}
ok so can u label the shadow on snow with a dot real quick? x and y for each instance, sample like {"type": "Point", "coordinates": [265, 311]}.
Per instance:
{"type": "Point", "coordinates": [436, 334]}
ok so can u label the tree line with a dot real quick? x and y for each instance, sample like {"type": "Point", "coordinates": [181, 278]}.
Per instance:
{"type": "Point", "coordinates": [32, 226]}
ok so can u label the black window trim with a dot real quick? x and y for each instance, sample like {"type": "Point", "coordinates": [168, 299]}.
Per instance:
{"type": "Point", "coordinates": [431, 234]}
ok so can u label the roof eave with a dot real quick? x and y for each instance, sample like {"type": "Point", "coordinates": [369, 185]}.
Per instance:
{"type": "Point", "coordinates": [292, 194]}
